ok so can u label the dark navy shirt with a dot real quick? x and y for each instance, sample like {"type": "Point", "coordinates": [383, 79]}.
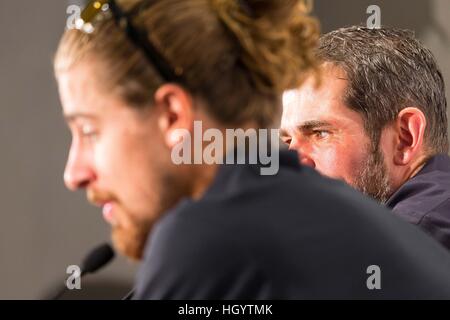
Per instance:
{"type": "Point", "coordinates": [293, 235]}
{"type": "Point", "coordinates": [424, 200]}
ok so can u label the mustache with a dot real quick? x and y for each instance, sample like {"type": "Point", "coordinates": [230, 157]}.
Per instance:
{"type": "Point", "coordinates": [97, 196]}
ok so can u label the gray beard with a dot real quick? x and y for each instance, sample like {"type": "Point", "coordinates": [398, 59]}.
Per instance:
{"type": "Point", "coordinates": [372, 179]}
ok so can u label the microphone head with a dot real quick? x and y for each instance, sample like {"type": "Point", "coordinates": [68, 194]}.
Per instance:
{"type": "Point", "coordinates": [97, 258]}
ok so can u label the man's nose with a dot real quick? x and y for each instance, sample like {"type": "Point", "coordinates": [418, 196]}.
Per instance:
{"type": "Point", "coordinates": [303, 151]}
{"type": "Point", "coordinates": [78, 172]}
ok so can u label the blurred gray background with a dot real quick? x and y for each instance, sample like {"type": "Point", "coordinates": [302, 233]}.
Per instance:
{"type": "Point", "coordinates": [43, 227]}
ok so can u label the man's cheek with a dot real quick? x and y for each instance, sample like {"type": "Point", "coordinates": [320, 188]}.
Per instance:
{"type": "Point", "coordinates": [327, 160]}
{"type": "Point", "coordinates": [109, 158]}
{"type": "Point", "coordinates": [108, 167]}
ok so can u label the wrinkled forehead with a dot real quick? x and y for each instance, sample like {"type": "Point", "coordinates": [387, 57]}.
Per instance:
{"type": "Point", "coordinates": [332, 85]}
{"type": "Point", "coordinates": [311, 103]}
{"type": "Point", "coordinates": [324, 102]}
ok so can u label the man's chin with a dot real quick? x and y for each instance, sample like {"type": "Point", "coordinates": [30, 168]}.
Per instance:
{"type": "Point", "coordinates": [130, 243]}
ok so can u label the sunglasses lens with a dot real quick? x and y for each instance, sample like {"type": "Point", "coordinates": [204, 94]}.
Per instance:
{"type": "Point", "coordinates": [90, 14]}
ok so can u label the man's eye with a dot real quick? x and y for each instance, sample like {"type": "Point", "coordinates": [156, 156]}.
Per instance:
{"type": "Point", "coordinates": [321, 134]}
{"type": "Point", "coordinates": [286, 140]}
{"type": "Point", "coordinates": [88, 131]}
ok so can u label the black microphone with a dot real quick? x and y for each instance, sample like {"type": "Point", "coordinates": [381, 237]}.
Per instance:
{"type": "Point", "coordinates": [97, 258]}
{"type": "Point", "coordinates": [130, 294]}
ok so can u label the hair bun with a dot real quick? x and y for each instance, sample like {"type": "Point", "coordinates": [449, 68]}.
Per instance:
{"type": "Point", "coordinates": [277, 38]}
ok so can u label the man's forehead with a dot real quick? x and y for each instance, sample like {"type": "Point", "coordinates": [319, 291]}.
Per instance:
{"type": "Point", "coordinates": [290, 97]}
{"type": "Point", "coordinates": [298, 106]}
{"type": "Point", "coordinates": [81, 98]}
{"type": "Point", "coordinates": [313, 101]}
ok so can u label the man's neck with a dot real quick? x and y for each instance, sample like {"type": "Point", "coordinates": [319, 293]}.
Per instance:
{"type": "Point", "coordinates": [417, 166]}
{"type": "Point", "coordinates": [205, 175]}
{"type": "Point", "coordinates": [409, 172]}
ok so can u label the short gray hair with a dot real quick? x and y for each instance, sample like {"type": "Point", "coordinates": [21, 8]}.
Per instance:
{"type": "Point", "coordinates": [388, 70]}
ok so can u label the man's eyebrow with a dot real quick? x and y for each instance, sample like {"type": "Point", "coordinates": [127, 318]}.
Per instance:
{"type": "Point", "coordinates": [312, 124]}
{"type": "Point", "coordinates": [78, 115]}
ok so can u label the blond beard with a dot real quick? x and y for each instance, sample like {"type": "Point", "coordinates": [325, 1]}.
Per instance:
{"type": "Point", "coordinates": [131, 237]}
{"type": "Point", "coordinates": [131, 242]}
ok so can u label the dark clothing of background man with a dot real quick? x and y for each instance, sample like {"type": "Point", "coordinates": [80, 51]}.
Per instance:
{"type": "Point", "coordinates": [424, 200]}
{"type": "Point", "coordinates": [293, 235]}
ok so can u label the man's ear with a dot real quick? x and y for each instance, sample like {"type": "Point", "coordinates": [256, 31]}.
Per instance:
{"type": "Point", "coordinates": [410, 127]}
{"type": "Point", "coordinates": [175, 112]}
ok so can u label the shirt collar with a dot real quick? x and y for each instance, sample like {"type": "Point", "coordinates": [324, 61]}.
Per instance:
{"type": "Point", "coordinates": [440, 162]}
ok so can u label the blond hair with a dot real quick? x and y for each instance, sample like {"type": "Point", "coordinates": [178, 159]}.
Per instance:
{"type": "Point", "coordinates": [237, 55]}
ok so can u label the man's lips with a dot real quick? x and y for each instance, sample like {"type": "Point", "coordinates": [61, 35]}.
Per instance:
{"type": "Point", "coordinates": [108, 213]}
{"type": "Point", "coordinates": [107, 203]}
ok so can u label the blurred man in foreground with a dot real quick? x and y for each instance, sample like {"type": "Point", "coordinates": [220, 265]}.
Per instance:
{"type": "Point", "coordinates": [134, 85]}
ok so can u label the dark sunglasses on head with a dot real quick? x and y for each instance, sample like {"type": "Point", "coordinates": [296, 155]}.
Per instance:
{"type": "Point", "coordinates": [102, 9]}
